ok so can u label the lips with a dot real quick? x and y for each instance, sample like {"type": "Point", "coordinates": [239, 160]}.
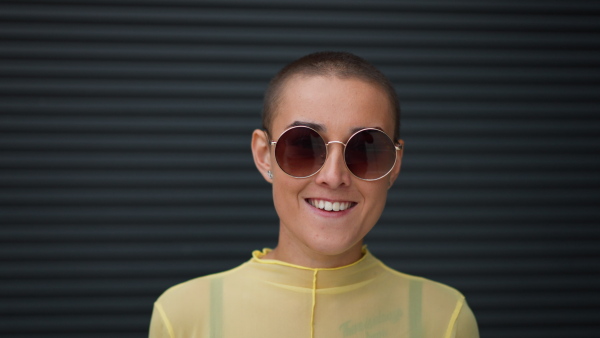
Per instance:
{"type": "Point", "coordinates": [330, 205]}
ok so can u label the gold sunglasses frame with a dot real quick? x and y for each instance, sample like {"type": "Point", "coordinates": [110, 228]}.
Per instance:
{"type": "Point", "coordinates": [397, 146]}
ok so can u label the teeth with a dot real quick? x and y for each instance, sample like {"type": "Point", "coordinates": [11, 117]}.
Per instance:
{"type": "Point", "coordinates": [329, 206]}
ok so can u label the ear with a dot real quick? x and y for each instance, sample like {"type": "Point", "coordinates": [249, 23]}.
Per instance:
{"type": "Point", "coordinates": [261, 152]}
{"type": "Point", "coordinates": [396, 171]}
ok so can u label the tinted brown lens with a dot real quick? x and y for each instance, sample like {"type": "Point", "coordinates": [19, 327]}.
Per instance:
{"type": "Point", "coordinates": [300, 152]}
{"type": "Point", "coordinates": [370, 154]}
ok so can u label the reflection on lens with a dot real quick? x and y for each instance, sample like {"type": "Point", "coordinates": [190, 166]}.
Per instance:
{"type": "Point", "coordinates": [300, 152]}
{"type": "Point", "coordinates": [370, 154]}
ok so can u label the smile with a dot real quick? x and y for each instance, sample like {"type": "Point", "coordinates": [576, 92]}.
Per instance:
{"type": "Point", "coordinates": [329, 205]}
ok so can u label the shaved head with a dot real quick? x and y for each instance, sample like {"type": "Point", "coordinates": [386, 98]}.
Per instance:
{"type": "Point", "coordinates": [339, 64]}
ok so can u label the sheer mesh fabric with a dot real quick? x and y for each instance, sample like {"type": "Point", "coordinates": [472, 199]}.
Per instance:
{"type": "Point", "coordinates": [268, 298]}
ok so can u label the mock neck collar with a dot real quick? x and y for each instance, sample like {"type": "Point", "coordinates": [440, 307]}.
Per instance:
{"type": "Point", "coordinates": [296, 276]}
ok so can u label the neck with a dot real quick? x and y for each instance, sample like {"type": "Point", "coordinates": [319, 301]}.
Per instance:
{"type": "Point", "coordinates": [307, 257]}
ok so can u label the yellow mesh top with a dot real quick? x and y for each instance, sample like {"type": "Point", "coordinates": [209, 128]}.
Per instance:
{"type": "Point", "coordinates": [268, 298]}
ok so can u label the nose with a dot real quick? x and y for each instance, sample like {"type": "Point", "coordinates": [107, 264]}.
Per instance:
{"type": "Point", "coordinates": [334, 172]}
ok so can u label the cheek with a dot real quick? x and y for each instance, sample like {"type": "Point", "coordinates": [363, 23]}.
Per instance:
{"type": "Point", "coordinates": [278, 195]}
{"type": "Point", "coordinates": [376, 196]}
{"type": "Point", "coordinates": [285, 197]}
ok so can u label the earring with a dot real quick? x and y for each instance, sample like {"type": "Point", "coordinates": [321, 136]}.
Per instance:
{"type": "Point", "coordinates": [270, 174]}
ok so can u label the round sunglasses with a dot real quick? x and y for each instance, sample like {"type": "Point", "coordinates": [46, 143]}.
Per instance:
{"type": "Point", "coordinates": [370, 154]}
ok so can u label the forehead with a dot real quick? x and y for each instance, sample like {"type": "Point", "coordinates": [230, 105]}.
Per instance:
{"type": "Point", "coordinates": [333, 102]}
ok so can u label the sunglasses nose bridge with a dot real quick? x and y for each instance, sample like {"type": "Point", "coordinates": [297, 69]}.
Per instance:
{"type": "Point", "coordinates": [334, 170]}
{"type": "Point", "coordinates": [338, 142]}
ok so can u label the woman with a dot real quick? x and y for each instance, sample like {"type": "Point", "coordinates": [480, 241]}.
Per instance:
{"type": "Point", "coordinates": [325, 149]}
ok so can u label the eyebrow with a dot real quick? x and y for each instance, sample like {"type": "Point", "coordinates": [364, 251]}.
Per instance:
{"type": "Point", "coordinates": [361, 128]}
{"type": "Point", "coordinates": [315, 126]}
{"type": "Point", "coordinates": [319, 127]}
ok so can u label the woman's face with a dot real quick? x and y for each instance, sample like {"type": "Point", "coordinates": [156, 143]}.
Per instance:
{"type": "Point", "coordinates": [337, 108]}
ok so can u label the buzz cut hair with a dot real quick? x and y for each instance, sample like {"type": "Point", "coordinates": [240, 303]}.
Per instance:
{"type": "Point", "coordinates": [343, 65]}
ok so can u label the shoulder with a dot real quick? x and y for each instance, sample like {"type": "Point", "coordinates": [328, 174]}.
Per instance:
{"type": "Point", "coordinates": [437, 302]}
{"type": "Point", "coordinates": [195, 289]}
{"type": "Point", "coordinates": [430, 296]}
{"type": "Point", "coordinates": [186, 306]}
{"type": "Point", "coordinates": [424, 286]}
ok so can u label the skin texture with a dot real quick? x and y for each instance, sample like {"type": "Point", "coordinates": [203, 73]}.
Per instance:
{"type": "Point", "coordinates": [309, 236]}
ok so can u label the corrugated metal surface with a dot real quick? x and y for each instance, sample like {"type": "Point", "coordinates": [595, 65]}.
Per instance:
{"type": "Point", "coordinates": [125, 163]}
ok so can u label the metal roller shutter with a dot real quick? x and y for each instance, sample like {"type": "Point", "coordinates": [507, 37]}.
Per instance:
{"type": "Point", "coordinates": [125, 165]}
